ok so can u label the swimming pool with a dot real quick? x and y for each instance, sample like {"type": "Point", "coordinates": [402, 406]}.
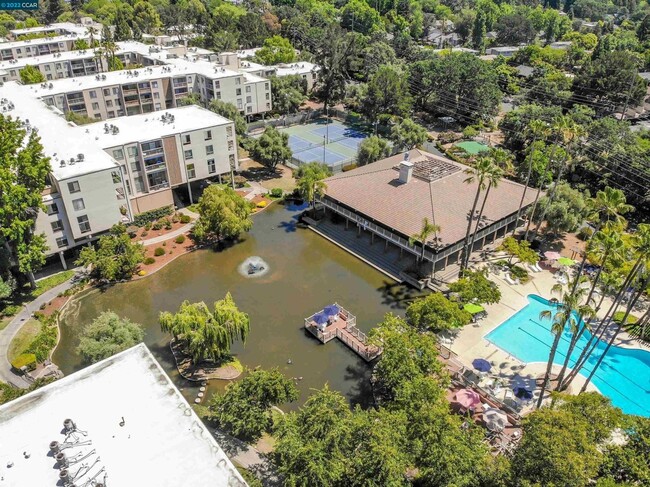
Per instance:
{"type": "Point", "coordinates": [624, 375]}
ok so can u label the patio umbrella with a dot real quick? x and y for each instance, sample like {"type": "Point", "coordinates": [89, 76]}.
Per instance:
{"type": "Point", "coordinates": [467, 398]}
{"type": "Point", "coordinates": [472, 308]}
{"type": "Point", "coordinates": [550, 255]}
{"type": "Point", "coordinates": [481, 365]}
{"type": "Point", "coordinates": [520, 382]}
{"type": "Point", "coordinates": [320, 318]}
{"type": "Point", "coordinates": [522, 393]}
{"type": "Point", "coordinates": [495, 419]}
{"type": "Point", "coordinates": [566, 261]}
{"type": "Point", "coordinates": [331, 310]}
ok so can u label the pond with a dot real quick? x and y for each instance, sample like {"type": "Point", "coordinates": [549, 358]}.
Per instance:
{"type": "Point", "coordinates": [305, 273]}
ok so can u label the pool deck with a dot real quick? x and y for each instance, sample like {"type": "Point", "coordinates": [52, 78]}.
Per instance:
{"type": "Point", "coordinates": [470, 343]}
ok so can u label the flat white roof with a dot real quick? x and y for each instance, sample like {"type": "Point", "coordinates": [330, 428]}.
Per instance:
{"type": "Point", "coordinates": [46, 58]}
{"type": "Point", "coordinates": [43, 40]}
{"type": "Point", "coordinates": [142, 430]}
{"type": "Point", "coordinates": [57, 136]}
{"type": "Point", "coordinates": [149, 126]}
{"type": "Point", "coordinates": [302, 67]}
{"type": "Point", "coordinates": [68, 26]}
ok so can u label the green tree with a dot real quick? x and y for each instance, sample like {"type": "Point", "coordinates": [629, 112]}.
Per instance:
{"type": "Point", "coordinates": [566, 212]}
{"type": "Point", "coordinates": [387, 93]}
{"type": "Point", "coordinates": [244, 410]}
{"type": "Point", "coordinates": [146, 18]}
{"type": "Point", "coordinates": [229, 111]}
{"type": "Point", "coordinates": [358, 16]}
{"type": "Point", "coordinates": [115, 258]}
{"type": "Point", "coordinates": [6, 288]}
{"type": "Point", "coordinates": [207, 334]}
{"type": "Point", "coordinates": [309, 181]}
{"type": "Point", "coordinates": [272, 148]}
{"type": "Point", "coordinates": [475, 287]}
{"type": "Point", "coordinates": [54, 9]}
{"type": "Point", "coordinates": [23, 172]}
{"type": "Point", "coordinates": [30, 75]}
{"type": "Point", "coordinates": [375, 55]}
{"type": "Point", "coordinates": [436, 313]}
{"type": "Point", "coordinates": [123, 21]}
{"type": "Point", "coordinates": [372, 149]}
{"type": "Point", "coordinates": [407, 135]}
{"type": "Point", "coordinates": [107, 335]}
{"type": "Point", "coordinates": [629, 464]}
{"type": "Point", "coordinates": [288, 92]}
{"type": "Point", "coordinates": [223, 214]}
{"type": "Point", "coordinates": [276, 50]}
{"type": "Point", "coordinates": [519, 249]}
{"type": "Point", "coordinates": [515, 29]}
{"type": "Point", "coordinates": [427, 230]}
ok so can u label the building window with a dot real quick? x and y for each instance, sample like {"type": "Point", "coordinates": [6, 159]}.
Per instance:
{"type": "Point", "coordinates": [189, 155]}
{"type": "Point", "coordinates": [248, 89]}
{"type": "Point", "coordinates": [118, 154]}
{"type": "Point", "coordinates": [139, 184]}
{"type": "Point", "coordinates": [84, 224]}
{"type": "Point", "coordinates": [231, 145]}
{"type": "Point", "coordinates": [111, 114]}
{"type": "Point", "coordinates": [52, 209]}
{"type": "Point", "coordinates": [229, 131]}
{"type": "Point", "coordinates": [249, 109]}
{"type": "Point", "coordinates": [217, 85]}
{"type": "Point", "coordinates": [191, 172]}
{"type": "Point", "coordinates": [237, 81]}
{"type": "Point", "coordinates": [249, 99]}
{"type": "Point", "coordinates": [78, 204]}
{"type": "Point", "coordinates": [156, 95]}
{"type": "Point", "coordinates": [212, 167]}
{"type": "Point", "coordinates": [95, 106]}
{"type": "Point", "coordinates": [73, 187]}
{"type": "Point", "coordinates": [239, 105]}
{"type": "Point", "coordinates": [266, 86]}
{"type": "Point", "coordinates": [93, 94]}
{"type": "Point", "coordinates": [57, 226]}
{"type": "Point", "coordinates": [208, 135]}
{"type": "Point", "coordinates": [268, 106]}
{"type": "Point", "coordinates": [107, 92]}
{"type": "Point", "coordinates": [187, 139]}
{"type": "Point", "coordinates": [62, 242]}
{"type": "Point", "coordinates": [238, 92]}
{"type": "Point", "coordinates": [128, 186]}
{"type": "Point", "coordinates": [268, 96]}
{"type": "Point", "coordinates": [109, 103]}
{"type": "Point", "coordinates": [116, 177]}
{"type": "Point", "coordinates": [154, 84]}
{"type": "Point", "coordinates": [231, 160]}
{"type": "Point", "coordinates": [209, 150]}
{"type": "Point", "coordinates": [47, 67]}
{"type": "Point", "coordinates": [218, 95]}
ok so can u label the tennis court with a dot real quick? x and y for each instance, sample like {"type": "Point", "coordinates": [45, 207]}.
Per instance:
{"type": "Point", "coordinates": [333, 143]}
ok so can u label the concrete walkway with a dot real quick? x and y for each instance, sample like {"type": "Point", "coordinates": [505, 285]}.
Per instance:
{"type": "Point", "coordinates": [249, 458]}
{"type": "Point", "coordinates": [9, 332]}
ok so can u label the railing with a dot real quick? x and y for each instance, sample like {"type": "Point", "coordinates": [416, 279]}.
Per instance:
{"type": "Point", "coordinates": [156, 187]}
{"type": "Point", "coordinates": [153, 167]}
{"type": "Point", "coordinates": [131, 103]}
{"type": "Point", "coordinates": [131, 91]}
{"type": "Point", "coordinates": [152, 152]}
{"type": "Point", "coordinates": [355, 332]}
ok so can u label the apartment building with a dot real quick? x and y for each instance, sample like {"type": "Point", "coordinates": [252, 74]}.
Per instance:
{"type": "Point", "coordinates": [105, 173]}
{"type": "Point", "coordinates": [155, 88]}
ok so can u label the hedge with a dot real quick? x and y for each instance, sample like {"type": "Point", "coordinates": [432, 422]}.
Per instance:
{"type": "Point", "coordinates": [149, 216]}
{"type": "Point", "coordinates": [44, 342]}
{"type": "Point", "coordinates": [24, 360]}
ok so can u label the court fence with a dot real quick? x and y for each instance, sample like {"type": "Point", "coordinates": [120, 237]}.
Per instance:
{"type": "Point", "coordinates": [310, 115]}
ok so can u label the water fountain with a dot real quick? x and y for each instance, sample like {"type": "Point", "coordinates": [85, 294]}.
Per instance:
{"type": "Point", "coordinates": [253, 267]}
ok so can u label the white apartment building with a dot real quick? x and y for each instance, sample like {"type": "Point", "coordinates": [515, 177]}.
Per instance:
{"type": "Point", "coordinates": [105, 173]}
{"type": "Point", "coordinates": [66, 34]}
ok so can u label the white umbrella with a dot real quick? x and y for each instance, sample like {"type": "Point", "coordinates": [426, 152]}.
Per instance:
{"type": "Point", "coordinates": [495, 419]}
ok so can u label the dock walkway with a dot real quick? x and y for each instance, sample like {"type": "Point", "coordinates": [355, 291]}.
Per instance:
{"type": "Point", "coordinates": [343, 326]}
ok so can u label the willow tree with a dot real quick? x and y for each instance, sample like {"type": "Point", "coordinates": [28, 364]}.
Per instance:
{"type": "Point", "coordinates": [23, 172]}
{"type": "Point", "coordinates": [207, 334]}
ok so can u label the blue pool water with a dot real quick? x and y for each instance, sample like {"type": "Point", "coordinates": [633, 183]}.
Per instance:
{"type": "Point", "coordinates": [624, 375]}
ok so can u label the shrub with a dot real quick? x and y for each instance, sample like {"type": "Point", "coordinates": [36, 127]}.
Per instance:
{"type": "Point", "coordinates": [175, 218]}
{"type": "Point", "coordinates": [147, 227]}
{"type": "Point", "coordinates": [152, 215]}
{"type": "Point", "coordinates": [276, 193]}
{"type": "Point", "coordinates": [470, 132]}
{"type": "Point", "coordinates": [585, 233]}
{"type": "Point", "coordinates": [144, 233]}
{"type": "Point", "coordinates": [349, 167]}
{"type": "Point", "coordinates": [45, 341]}
{"type": "Point", "coordinates": [164, 244]}
{"type": "Point", "coordinates": [185, 219]}
{"type": "Point", "coordinates": [520, 273]}
{"type": "Point", "coordinates": [149, 261]}
{"type": "Point", "coordinates": [167, 223]}
{"type": "Point", "coordinates": [24, 360]}
{"type": "Point", "coordinates": [142, 273]}
{"type": "Point", "coordinates": [180, 239]}
{"type": "Point", "coordinates": [262, 204]}
{"type": "Point", "coordinates": [157, 226]}
{"type": "Point", "coordinates": [159, 251]}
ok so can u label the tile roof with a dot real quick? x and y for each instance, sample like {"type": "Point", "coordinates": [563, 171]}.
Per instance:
{"type": "Point", "coordinates": [376, 192]}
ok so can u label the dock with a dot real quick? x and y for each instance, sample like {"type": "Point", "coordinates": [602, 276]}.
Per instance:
{"type": "Point", "coordinates": [341, 324]}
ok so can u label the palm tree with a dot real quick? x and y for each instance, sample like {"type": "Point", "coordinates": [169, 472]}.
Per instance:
{"type": "Point", "coordinates": [426, 231]}
{"type": "Point", "coordinates": [563, 316]}
{"type": "Point", "coordinates": [310, 182]}
{"type": "Point", "coordinates": [538, 130]}
{"type": "Point", "coordinates": [642, 247]}
{"type": "Point", "coordinates": [479, 174]}
{"type": "Point", "coordinates": [569, 132]}
{"type": "Point", "coordinates": [605, 245]}
{"type": "Point", "coordinates": [207, 334]}
{"type": "Point", "coordinates": [502, 162]}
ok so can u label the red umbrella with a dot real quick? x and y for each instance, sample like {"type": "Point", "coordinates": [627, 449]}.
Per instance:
{"type": "Point", "coordinates": [467, 398]}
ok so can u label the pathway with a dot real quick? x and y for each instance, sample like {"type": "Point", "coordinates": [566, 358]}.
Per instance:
{"type": "Point", "coordinates": [249, 458]}
{"type": "Point", "coordinates": [179, 231]}
{"type": "Point", "coordinates": [9, 332]}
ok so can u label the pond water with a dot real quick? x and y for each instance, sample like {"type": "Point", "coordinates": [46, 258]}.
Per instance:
{"type": "Point", "coordinates": [305, 273]}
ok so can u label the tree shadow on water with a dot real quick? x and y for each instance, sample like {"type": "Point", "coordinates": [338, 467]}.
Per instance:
{"type": "Point", "coordinates": [361, 393]}
{"type": "Point", "coordinates": [399, 296]}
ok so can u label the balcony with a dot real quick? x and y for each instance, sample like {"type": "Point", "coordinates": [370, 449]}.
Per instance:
{"type": "Point", "coordinates": [154, 167]}
{"type": "Point", "coordinates": [131, 103]}
{"type": "Point", "coordinates": [159, 186]}
{"type": "Point", "coordinates": [152, 152]}
{"type": "Point", "coordinates": [131, 91]}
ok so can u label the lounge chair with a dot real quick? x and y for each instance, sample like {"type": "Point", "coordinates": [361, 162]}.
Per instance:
{"type": "Point", "coordinates": [535, 267]}
{"type": "Point", "coordinates": [509, 279]}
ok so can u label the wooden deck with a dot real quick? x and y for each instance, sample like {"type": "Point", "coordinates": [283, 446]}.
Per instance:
{"type": "Point", "coordinates": [344, 328]}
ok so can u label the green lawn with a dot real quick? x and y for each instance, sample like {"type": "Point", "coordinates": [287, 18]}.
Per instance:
{"type": "Point", "coordinates": [52, 281]}
{"type": "Point", "coordinates": [4, 322]}
{"type": "Point", "coordinates": [23, 338]}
